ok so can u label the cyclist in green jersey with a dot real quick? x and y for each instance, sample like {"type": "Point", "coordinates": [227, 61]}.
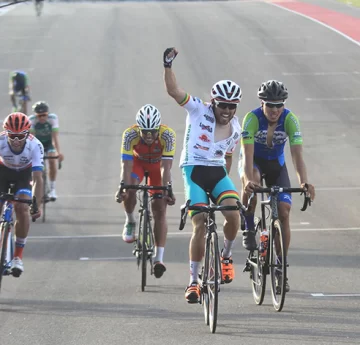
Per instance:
{"type": "Point", "coordinates": [45, 127]}
{"type": "Point", "coordinates": [266, 130]}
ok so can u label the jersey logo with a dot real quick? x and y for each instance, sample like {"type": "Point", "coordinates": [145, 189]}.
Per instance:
{"type": "Point", "coordinates": [204, 137]}
{"type": "Point", "coordinates": [206, 127]}
{"type": "Point", "coordinates": [169, 138]}
{"type": "Point", "coordinates": [128, 138]}
{"type": "Point", "coordinates": [209, 118]}
{"type": "Point", "coordinates": [218, 153]}
{"type": "Point", "coordinates": [198, 146]}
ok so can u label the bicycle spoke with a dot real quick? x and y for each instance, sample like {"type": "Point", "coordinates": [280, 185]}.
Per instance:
{"type": "Point", "coordinates": [278, 268]}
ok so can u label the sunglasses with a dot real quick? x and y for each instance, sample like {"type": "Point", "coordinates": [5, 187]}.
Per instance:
{"type": "Point", "coordinates": [151, 131]}
{"type": "Point", "coordinates": [274, 105]}
{"type": "Point", "coordinates": [19, 136]}
{"type": "Point", "coordinates": [223, 105]}
{"type": "Point", "coordinates": [42, 115]}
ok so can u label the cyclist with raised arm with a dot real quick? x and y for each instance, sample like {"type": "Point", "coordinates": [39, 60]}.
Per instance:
{"type": "Point", "coordinates": [45, 127]}
{"type": "Point", "coordinates": [148, 146]}
{"type": "Point", "coordinates": [19, 84]}
{"type": "Point", "coordinates": [21, 159]}
{"type": "Point", "coordinates": [265, 132]}
{"type": "Point", "coordinates": [211, 135]}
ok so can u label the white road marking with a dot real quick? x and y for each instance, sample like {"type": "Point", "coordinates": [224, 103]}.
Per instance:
{"type": "Point", "coordinates": [318, 22]}
{"type": "Point", "coordinates": [282, 37]}
{"type": "Point", "coordinates": [336, 295]}
{"type": "Point", "coordinates": [299, 53]}
{"type": "Point", "coordinates": [345, 99]}
{"type": "Point", "coordinates": [107, 259]}
{"type": "Point", "coordinates": [319, 73]}
{"type": "Point", "coordinates": [170, 234]}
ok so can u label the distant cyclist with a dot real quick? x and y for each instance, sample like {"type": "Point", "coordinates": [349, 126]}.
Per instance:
{"type": "Point", "coordinates": [148, 146]}
{"type": "Point", "coordinates": [45, 127]}
{"type": "Point", "coordinates": [19, 85]}
{"type": "Point", "coordinates": [39, 6]}
{"type": "Point", "coordinates": [21, 159]}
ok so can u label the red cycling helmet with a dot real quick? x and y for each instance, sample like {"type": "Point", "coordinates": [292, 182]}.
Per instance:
{"type": "Point", "coordinates": [17, 123]}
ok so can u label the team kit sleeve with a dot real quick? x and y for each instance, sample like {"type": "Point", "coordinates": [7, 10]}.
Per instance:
{"type": "Point", "coordinates": [168, 138]}
{"type": "Point", "coordinates": [32, 123]}
{"type": "Point", "coordinates": [54, 121]}
{"type": "Point", "coordinates": [292, 129]}
{"type": "Point", "coordinates": [191, 104]}
{"type": "Point", "coordinates": [127, 144]}
{"type": "Point", "coordinates": [250, 126]}
{"type": "Point", "coordinates": [37, 155]}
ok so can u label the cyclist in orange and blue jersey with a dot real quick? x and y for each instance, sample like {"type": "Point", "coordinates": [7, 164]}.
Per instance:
{"type": "Point", "coordinates": [148, 146]}
{"type": "Point", "coordinates": [265, 132]}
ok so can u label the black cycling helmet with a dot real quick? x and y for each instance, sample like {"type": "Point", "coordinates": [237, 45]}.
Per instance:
{"type": "Point", "coordinates": [272, 90]}
{"type": "Point", "coordinates": [40, 107]}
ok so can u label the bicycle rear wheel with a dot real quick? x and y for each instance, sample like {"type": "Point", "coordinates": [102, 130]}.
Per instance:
{"type": "Point", "coordinates": [257, 271]}
{"type": "Point", "coordinates": [213, 281]}
{"type": "Point", "coordinates": [3, 247]}
{"type": "Point", "coordinates": [277, 269]}
{"type": "Point", "coordinates": [144, 249]}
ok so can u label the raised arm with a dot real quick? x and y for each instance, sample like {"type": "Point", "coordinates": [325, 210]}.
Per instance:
{"type": "Point", "coordinates": [171, 85]}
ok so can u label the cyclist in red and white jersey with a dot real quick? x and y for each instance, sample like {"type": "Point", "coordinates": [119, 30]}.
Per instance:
{"type": "Point", "coordinates": [21, 159]}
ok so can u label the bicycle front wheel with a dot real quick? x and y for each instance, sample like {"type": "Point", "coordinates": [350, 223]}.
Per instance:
{"type": "Point", "coordinates": [144, 249]}
{"type": "Point", "coordinates": [257, 272]}
{"type": "Point", "coordinates": [213, 281]}
{"type": "Point", "coordinates": [3, 247]}
{"type": "Point", "coordinates": [277, 265]}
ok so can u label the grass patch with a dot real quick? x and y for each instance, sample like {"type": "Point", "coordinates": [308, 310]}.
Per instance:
{"type": "Point", "coordinates": [355, 3]}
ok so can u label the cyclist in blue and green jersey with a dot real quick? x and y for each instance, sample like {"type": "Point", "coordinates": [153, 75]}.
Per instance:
{"type": "Point", "coordinates": [265, 131]}
{"type": "Point", "coordinates": [45, 127]}
{"type": "Point", "coordinates": [19, 84]}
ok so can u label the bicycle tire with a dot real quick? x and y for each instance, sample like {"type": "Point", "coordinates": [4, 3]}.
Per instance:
{"type": "Point", "coordinates": [257, 272]}
{"type": "Point", "coordinates": [203, 276]}
{"type": "Point", "coordinates": [138, 243]}
{"type": "Point", "coordinates": [278, 291]}
{"type": "Point", "coordinates": [45, 195]}
{"type": "Point", "coordinates": [3, 246]}
{"type": "Point", "coordinates": [144, 249]}
{"type": "Point", "coordinates": [213, 283]}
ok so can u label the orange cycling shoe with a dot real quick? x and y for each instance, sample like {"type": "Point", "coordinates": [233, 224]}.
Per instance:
{"type": "Point", "coordinates": [192, 293]}
{"type": "Point", "coordinates": [227, 270]}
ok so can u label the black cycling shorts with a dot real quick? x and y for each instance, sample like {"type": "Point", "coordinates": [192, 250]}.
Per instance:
{"type": "Point", "coordinates": [21, 179]}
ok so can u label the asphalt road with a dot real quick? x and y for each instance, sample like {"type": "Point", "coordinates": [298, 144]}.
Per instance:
{"type": "Point", "coordinates": [96, 64]}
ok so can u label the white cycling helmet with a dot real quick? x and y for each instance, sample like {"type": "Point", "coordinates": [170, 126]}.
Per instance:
{"type": "Point", "coordinates": [226, 91]}
{"type": "Point", "coordinates": [148, 117]}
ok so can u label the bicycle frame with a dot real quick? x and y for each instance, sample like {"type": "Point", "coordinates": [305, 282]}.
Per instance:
{"type": "Point", "coordinates": [7, 217]}
{"type": "Point", "coordinates": [7, 239]}
{"type": "Point", "coordinates": [144, 246]}
{"type": "Point", "coordinates": [209, 288]}
{"type": "Point", "coordinates": [259, 264]}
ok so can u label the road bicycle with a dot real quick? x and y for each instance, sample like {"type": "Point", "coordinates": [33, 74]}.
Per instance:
{"type": "Point", "coordinates": [144, 244]}
{"type": "Point", "coordinates": [270, 238]}
{"type": "Point", "coordinates": [7, 243]}
{"type": "Point", "coordinates": [210, 277]}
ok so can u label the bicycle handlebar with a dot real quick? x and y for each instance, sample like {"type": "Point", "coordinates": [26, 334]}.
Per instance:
{"type": "Point", "coordinates": [124, 186]}
{"type": "Point", "coordinates": [32, 203]}
{"type": "Point", "coordinates": [207, 209]}
{"type": "Point", "coordinates": [53, 157]}
{"type": "Point", "coordinates": [276, 190]}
